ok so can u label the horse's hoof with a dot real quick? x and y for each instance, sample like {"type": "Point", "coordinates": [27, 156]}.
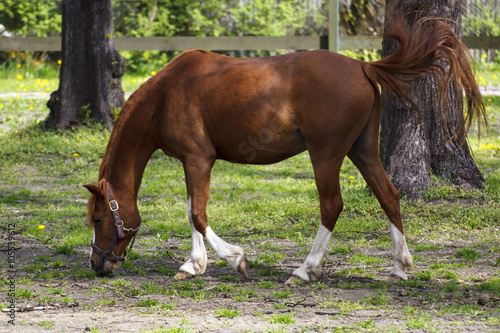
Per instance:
{"type": "Point", "coordinates": [294, 281]}
{"type": "Point", "coordinates": [397, 276]}
{"type": "Point", "coordinates": [244, 267]}
{"type": "Point", "coordinates": [181, 275]}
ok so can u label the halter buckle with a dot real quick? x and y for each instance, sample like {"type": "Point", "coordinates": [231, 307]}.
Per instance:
{"type": "Point", "coordinates": [113, 205]}
{"type": "Point", "coordinates": [109, 255]}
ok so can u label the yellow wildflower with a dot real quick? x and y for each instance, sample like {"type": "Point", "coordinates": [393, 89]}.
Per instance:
{"type": "Point", "coordinates": [75, 155]}
{"type": "Point", "coordinates": [41, 226]}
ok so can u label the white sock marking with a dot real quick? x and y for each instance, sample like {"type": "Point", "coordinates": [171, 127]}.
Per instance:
{"type": "Point", "coordinates": [313, 263]}
{"type": "Point", "coordinates": [227, 252]}
{"type": "Point", "coordinates": [402, 257]}
{"type": "Point", "coordinates": [197, 262]}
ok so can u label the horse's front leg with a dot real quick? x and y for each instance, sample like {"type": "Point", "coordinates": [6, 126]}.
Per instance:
{"type": "Point", "coordinates": [197, 262]}
{"type": "Point", "coordinates": [197, 173]}
{"type": "Point", "coordinates": [326, 174]}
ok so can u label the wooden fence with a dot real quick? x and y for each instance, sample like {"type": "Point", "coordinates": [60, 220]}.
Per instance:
{"type": "Point", "coordinates": [238, 43]}
{"type": "Point", "coordinates": [228, 43]}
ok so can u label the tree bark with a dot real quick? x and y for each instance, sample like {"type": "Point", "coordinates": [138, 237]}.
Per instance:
{"type": "Point", "coordinates": [416, 144]}
{"type": "Point", "coordinates": [91, 69]}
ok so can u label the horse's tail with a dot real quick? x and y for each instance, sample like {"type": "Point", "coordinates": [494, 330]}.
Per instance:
{"type": "Point", "coordinates": [428, 46]}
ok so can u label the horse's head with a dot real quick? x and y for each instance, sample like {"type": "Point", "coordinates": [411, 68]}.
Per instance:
{"type": "Point", "coordinates": [111, 234]}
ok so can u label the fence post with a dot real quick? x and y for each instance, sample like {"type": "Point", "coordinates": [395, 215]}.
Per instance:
{"type": "Point", "coordinates": [333, 25]}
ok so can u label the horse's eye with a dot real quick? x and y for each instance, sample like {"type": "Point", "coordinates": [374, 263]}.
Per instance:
{"type": "Point", "coordinates": [97, 220]}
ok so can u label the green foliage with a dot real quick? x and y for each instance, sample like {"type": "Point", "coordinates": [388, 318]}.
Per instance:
{"type": "Point", "coordinates": [209, 18]}
{"type": "Point", "coordinates": [216, 18]}
{"type": "Point", "coordinates": [31, 18]}
{"type": "Point", "coordinates": [363, 55]}
{"type": "Point", "coordinates": [483, 19]}
{"type": "Point", "coordinates": [84, 114]}
{"type": "Point", "coordinates": [362, 16]}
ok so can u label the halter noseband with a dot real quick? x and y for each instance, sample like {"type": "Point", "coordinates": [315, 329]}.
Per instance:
{"type": "Point", "coordinates": [118, 234]}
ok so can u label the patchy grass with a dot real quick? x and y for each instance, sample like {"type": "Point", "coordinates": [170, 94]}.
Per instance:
{"type": "Point", "coordinates": [226, 313]}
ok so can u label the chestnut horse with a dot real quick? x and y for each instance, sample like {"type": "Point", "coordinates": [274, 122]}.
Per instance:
{"type": "Point", "coordinates": [202, 107]}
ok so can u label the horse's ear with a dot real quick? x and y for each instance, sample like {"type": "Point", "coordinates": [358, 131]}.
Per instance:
{"type": "Point", "coordinates": [97, 191]}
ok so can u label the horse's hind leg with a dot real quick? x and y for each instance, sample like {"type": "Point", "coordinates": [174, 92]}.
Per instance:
{"type": "Point", "coordinates": [365, 155]}
{"type": "Point", "coordinates": [197, 172]}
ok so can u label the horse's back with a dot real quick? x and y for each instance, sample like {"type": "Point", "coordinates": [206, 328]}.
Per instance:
{"type": "Point", "coordinates": [257, 110]}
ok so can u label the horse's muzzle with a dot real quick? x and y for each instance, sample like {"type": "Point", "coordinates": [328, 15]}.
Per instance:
{"type": "Point", "coordinates": [103, 267]}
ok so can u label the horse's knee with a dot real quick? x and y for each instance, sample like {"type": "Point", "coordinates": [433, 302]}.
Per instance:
{"type": "Point", "coordinates": [330, 211]}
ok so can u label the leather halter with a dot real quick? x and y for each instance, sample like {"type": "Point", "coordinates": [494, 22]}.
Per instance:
{"type": "Point", "coordinates": [118, 234]}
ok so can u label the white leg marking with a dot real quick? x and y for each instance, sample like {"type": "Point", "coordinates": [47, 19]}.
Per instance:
{"type": "Point", "coordinates": [197, 262]}
{"type": "Point", "coordinates": [313, 263]}
{"type": "Point", "coordinates": [402, 257]}
{"type": "Point", "coordinates": [230, 253]}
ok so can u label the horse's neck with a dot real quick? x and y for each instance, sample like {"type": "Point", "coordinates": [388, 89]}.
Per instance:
{"type": "Point", "coordinates": [131, 151]}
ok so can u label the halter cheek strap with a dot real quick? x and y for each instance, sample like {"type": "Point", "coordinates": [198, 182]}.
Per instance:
{"type": "Point", "coordinates": [113, 206]}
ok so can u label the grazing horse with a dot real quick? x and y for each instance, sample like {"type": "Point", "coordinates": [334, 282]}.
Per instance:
{"type": "Point", "coordinates": [202, 107]}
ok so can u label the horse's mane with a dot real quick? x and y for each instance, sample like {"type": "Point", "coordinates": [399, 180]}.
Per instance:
{"type": "Point", "coordinates": [136, 98]}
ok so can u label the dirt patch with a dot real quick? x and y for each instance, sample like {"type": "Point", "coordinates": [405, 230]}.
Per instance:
{"type": "Point", "coordinates": [57, 293]}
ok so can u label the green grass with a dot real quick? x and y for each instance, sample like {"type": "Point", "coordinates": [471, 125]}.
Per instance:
{"type": "Point", "coordinates": [420, 322]}
{"type": "Point", "coordinates": [226, 313]}
{"type": "Point", "coordinates": [492, 285]}
{"type": "Point", "coordinates": [468, 253]}
{"type": "Point", "coordinates": [281, 319]}
{"type": "Point", "coordinates": [147, 303]}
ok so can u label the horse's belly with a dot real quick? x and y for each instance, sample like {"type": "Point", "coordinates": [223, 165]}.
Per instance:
{"type": "Point", "coordinates": [262, 147]}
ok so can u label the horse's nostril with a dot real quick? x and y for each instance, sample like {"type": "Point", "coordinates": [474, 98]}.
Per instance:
{"type": "Point", "coordinates": [92, 264]}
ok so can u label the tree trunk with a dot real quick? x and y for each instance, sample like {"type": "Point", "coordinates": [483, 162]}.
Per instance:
{"type": "Point", "coordinates": [415, 144]}
{"type": "Point", "coordinates": [91, 69]}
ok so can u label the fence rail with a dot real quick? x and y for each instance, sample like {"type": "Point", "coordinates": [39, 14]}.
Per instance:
{"type": "Point", "coordinates": [228, 43]}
